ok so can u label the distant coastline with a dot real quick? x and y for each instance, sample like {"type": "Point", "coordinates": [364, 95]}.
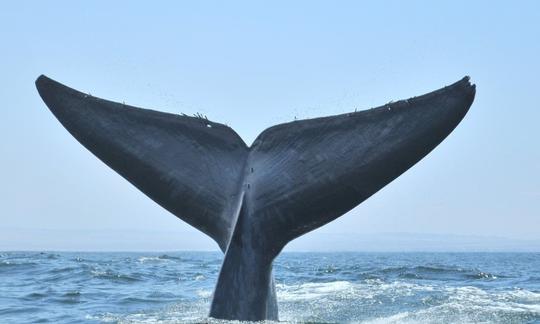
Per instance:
{"type": "Point", "coordinates": [18, 239]}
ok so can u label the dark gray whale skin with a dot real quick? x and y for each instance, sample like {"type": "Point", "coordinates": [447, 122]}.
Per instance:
{"type": "Point", "coordinates": [252, 201]}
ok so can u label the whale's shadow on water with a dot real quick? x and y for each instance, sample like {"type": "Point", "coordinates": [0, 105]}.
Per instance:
{"type": "Point", "coordinates": [253, 200]}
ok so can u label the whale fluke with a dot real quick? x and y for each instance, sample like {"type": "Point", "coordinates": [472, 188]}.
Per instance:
{"type": "Point", "coordinates": [252, 201]}
{"type": "Point", "coordinates": [189, 165]}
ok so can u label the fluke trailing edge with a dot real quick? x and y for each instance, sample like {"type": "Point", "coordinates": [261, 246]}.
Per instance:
{"type": "Point", "coordinates": [252, 201]}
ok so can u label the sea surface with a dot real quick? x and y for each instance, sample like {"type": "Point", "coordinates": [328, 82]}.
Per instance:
{"type": "Point", "coordinates": [311, 287]}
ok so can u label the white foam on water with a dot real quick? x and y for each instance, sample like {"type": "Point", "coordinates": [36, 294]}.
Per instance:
{"type": "Point", "coordinates": [339, 301]}
{"type": "Point", "coordinates": [397, 318]}
{"type": "Point", "coordinates": [312, 290]}
{"type": "Point", "coordinates": [98, 273]}
{"type": "Point", "coordinates": [325, 301]}
{"type": "Point", "coordinates": [368, 290]}
{"type": "Point", "coordinates": [473, 305]}
{"type": "Point", "coordinates": [204, 293]}
{"type": "Point", "coordinates": [144, 259]}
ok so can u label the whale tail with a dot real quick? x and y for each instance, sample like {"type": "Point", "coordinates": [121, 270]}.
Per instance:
{"type": "Point", "coordinates": [252, 201]}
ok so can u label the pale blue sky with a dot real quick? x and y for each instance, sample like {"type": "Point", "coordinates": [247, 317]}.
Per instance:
{"type": "Point", "coordinates": [252, 65]}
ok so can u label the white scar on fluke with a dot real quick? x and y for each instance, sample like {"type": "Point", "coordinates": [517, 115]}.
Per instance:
{"type": "Point", "coordinates": [253, 200]}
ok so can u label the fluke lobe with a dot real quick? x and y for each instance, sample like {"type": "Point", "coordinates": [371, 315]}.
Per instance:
{"type": "Point", "coordinates": [253, 200]}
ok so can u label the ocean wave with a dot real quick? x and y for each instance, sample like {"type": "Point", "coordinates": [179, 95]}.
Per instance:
{"type": "Point", "coordinates": [204, 293]}
{"type": "Point", "coordinates": [433, 273]}
{"type": "Point", "coordinates": [169, 257]}
{"type": "Point", "coordinates": [50, 256]}
{"type": "Point", "coordinates": [159, 258]}
{"type": "Point", "coordinates": [139, 300]}
{"type": "Point", "coordinates": [115, 276]}
{"type": "Point", "coordinates": [325, 301]}
{"type": "Point", "coordinates": [307, 291]}
{"type": "Point", "coordinates": [63, 270]}
{"type": "Point", "coordinates": [71, 294]}
{"type": "Point", "coordinates": [467, 308]}
{"type": "Point", "coordinates": [19, 310]}
{"type": "Point", "coordinates": [35, 295]}
{"type": "Point", "coordinates": [144, 259]}
{"type": "Point", "coordinates": [177, 313]}
{"type": "Point", "coordinates": [16, 264]}
{"type": "Point", "coordinates": [361, 288]}
{"type": "Point", "coordinates": [343, 301]}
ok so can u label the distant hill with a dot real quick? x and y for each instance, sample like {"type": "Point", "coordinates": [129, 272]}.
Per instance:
{"type": "Point", "coordinates": [141, 240]}
{"type": "Point", "coordinates": [411, 242]}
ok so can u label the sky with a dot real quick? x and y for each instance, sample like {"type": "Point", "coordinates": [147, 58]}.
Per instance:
{"type": "Point", "coordinates": [255, 64]}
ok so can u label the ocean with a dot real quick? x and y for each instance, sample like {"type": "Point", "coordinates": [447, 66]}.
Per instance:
{"type": "Point", "coordinates": [312, 287]}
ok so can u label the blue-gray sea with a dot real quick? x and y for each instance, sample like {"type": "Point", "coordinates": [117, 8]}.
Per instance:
{"type": "Point", "coordinates": [312, 287]}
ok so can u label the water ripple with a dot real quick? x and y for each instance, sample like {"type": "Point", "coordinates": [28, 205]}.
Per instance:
{"type": "Point", "coordinates": [311, 287]}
